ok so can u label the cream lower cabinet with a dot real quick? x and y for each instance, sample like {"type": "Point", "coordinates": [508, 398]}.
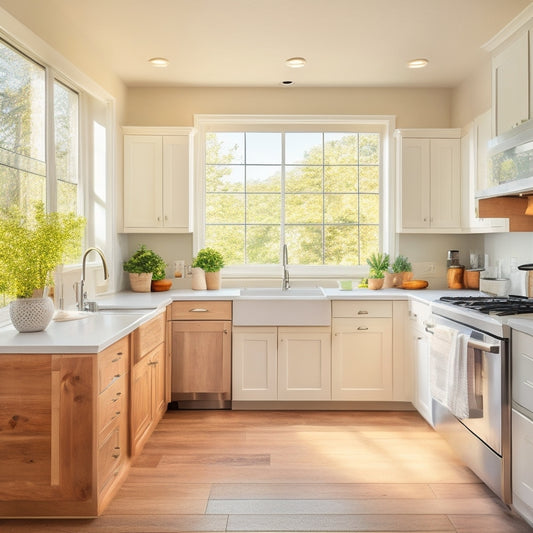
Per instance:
{"type": "Point", "coordinates": [361, 356]}
{"type": "Point", "coordinates": [285, 363]}
{"type": "Point", "coordinates": [255, 363]}
{"type": "Point", "coordinates": [304, 363]}
{"type": "Point", "coordinates": [418, 346]}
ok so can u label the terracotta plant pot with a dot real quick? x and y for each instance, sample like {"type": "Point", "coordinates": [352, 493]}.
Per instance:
{"type": "Point", "coordinates": [141, 282]}
{"type": "Point", "coordinates": [213, 280]}
{"type": "Point", "coordinates": [160, 285]}
{"type": "Point", "coordinates": [375, 283]}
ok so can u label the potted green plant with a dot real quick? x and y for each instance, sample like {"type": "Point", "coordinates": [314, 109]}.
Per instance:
{"type": "Point", "coordinates": [32, 245]}
{"type": "Point", "coordinates": [403, 270]}
{"type": "Point", "coordinates": [211, 262]}
{"type": "Point", "coordinates": [143, 266]}
{"type": "Point", "coordinates": [378, 263]}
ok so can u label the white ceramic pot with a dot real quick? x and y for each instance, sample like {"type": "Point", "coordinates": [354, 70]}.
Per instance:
{"type": "Point", "coordinates": [31, 314]}
{"type": "Point", "coordinates": [198, 282]}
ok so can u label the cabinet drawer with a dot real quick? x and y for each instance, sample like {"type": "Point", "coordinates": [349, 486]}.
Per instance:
{"type": "Point", "coordinates": [111, 404]}
{"type": "Point", "coordinates": [522, 372]}
{"type": "Point", "coordinates": [147, 336]}
{"type": "Point", "coordinates": [201, 310]}
{"type": "Point", "coordinates": [112, 363]}
{"type": "Point", "coordinates": [362, 308]}
{"type": "Point", "coordinates": [110, 456]}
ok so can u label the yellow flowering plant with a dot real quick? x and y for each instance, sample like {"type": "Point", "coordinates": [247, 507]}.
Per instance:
{"type": "Point", "coordinates": [32, 246]}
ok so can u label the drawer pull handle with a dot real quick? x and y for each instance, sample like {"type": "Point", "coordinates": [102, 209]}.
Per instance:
{"type": "Point", "coordinates": [153, 363]}
{"type": "Point", "coordinates": [116, 455]}
{"type": "Point", "coordinates": [119, 393]}
{"type": "Point", "coordinates": [116, 359]}
{"type": "Point", "coordinates": [116, 376]}
{"type": "Point", "coordinates": [198, 310]}
{"type": "Point", "coordinates": [117, 413]}
{"type": "Point", "coordinates": [362, 312]}
{"type": "Point", "coordinates": [362, 328]}
{"type": "Point", "coordinates": [114, 400]}
{"type": "Point", "coordinates": [225, 332]}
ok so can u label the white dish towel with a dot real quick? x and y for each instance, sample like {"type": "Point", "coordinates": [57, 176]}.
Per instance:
{"type": "Point", "coordinates": [452, 371]}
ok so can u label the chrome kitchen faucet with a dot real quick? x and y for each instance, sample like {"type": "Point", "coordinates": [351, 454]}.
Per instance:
{"type": "Point", "coordinates": [81, 294]}
{"type": "Point", "coordinates": [285, 285]}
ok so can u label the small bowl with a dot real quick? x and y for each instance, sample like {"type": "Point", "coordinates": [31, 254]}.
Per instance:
{"type": "Point", "coordinates": [345, 284]}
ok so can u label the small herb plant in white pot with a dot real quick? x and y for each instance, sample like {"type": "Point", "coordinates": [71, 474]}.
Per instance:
{"type": "Point", "coordinates": [211, 262]}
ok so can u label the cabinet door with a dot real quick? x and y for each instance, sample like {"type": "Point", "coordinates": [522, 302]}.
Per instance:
{"type": "Point", "coordinates": [415, 170]}
{"type": "Point", "coordinates": [522, 466]}
{"type": "Point", "coordinates": [510, 84]}
{"type": "Point", "coordinates": [176, 183]}
{"type": "Point", "coordinates": [255, 363]}
{"type": "Point", "coordinates": [422, 396]}
{"type": "Point", "coordinates": [141, 403]}
{"type": "Point", "coordinates": [445, 184]}
{"type": "Point", "coordinates": [362, 359]}
{"type": "Point", "coordinates": [157, 362]}
{"type": "Point", "coordinates": [304, 364]}
{"type": "Point", "coordinates": [143, 173]}
{"type": "Point", "coordinates": [201, 357]}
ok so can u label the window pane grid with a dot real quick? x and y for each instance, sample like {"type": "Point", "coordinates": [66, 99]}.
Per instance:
{"type": "Point", "coordinates": [320, 189]}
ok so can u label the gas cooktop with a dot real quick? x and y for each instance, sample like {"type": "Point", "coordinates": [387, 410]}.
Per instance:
{"type": "Point", "coordinates": [500, 306]}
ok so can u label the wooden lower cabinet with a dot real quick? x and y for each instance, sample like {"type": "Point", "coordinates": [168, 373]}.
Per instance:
{"type": "Point", "coordinates": [63, 449]}
{"type": "Point", "coordinates": [148, 381]}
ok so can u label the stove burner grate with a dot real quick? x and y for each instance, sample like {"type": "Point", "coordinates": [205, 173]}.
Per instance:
{"type": "Point", "coordinates": [508, 305]}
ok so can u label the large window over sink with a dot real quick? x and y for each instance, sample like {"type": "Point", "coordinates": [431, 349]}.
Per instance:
{"type": "Point", "coordinates": [317, 185]}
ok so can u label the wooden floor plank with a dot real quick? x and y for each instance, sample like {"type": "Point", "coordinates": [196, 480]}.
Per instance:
{"type": "Point", "coordinates": [367, 472]}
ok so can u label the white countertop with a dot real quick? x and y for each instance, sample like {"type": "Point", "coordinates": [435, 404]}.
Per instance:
{"type": "Point", "coordinates": [101, 329]}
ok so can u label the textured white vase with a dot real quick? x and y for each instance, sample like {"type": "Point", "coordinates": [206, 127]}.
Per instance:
{"type": "Point", "coordinates": [31, 314]}
{"type": "Point", "coordinates": [198, 282]}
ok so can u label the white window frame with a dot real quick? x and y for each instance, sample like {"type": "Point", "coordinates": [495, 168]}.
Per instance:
{"type": "Point", "coordinates": [385, 124]}
{"type": "Point", "coordinates": [57, 67]}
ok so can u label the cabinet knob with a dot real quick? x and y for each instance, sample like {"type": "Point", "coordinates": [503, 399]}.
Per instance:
{"type": "Point", "coordinates": [225, 332]}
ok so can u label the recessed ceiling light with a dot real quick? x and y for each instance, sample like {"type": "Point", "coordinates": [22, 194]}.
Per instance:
{"type": "Point", "coordinates": [295, 62]}
{"type": "Point", "coordinates": [418, 63]}
{"type": "Point", "coordinates": [159, 62]}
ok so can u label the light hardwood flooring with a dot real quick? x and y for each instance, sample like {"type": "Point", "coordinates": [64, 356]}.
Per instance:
{"type": "Point", "coordinates": [214, 471]}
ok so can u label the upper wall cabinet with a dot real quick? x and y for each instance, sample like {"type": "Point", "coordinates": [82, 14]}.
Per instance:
{"type": "Point", "coordinates": [157, 180]}
{"type": "Point", "coordinates": [512, 73]}
{"type": "Point", "coordinates": [474, 176]}
{"type": "Point", "coordinates": [428, 169]}
{"type": "Point", "coordinates": [510, 85]}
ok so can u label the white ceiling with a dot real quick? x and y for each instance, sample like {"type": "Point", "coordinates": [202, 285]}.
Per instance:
{"type": "Point", "coordinates": [245, 42]}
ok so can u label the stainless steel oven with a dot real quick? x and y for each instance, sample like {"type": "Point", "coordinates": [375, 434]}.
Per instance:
{"type": "Point", "coordinates": [483, 440]}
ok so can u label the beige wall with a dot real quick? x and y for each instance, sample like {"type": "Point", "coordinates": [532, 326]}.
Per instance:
{"type": "Point", "coordinates": [424, 108]}
{"type": "Point", "coordinates": [472, 97]}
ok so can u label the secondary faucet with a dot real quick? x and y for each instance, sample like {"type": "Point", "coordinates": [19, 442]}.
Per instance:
{"type": "Point", "coordinates": [84, 305]}
{"type": "Point", "coordinates": [285, 285]}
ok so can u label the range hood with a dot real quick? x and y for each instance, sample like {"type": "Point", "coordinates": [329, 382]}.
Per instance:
{"type": "Point", "coordinates": [510, 163]}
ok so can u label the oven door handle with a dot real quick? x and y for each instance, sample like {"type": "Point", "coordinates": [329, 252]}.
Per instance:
{"type": "Point", "coordinates": [483, 346]}
{"type": "Point", "coordinates": [472, 343]}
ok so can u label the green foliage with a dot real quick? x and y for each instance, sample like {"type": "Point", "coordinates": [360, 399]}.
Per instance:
{"type": "Point", "coordinates": [32, 247]}
{"type": "Point", "coordinates": [378, 263]}
{"type": "Point", "coordinates": [331, 208]}
{"type": "Point", "coordinates": [209, 260]}
{"type": "Point", "coordinates": [144, 261]}
{"type": "Point", "coordinates": [401, 264]}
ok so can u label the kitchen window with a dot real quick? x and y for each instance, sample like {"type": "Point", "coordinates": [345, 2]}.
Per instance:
{"type": "Point", "coordinates": [318, 185]}
{"type": "Point", "coordinates": [54, 143]}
